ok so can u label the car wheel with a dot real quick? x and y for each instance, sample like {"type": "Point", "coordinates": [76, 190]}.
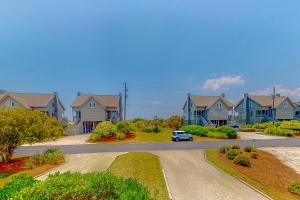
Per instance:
{"type": "Point", "coordinates": [191, 139]}
{"type": "Point", "coordinates": [177, 139]}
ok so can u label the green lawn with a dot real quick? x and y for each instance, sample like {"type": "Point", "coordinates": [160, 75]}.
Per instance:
{"type": "Point", "coordinates": [145, 168]}
{"type": "Point", "coordinates": [163, 136]}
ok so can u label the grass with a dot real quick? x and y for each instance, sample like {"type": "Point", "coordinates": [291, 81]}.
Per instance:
{"type": "Point", "coordinates": [145, 168]}
{"type": "Point", "coordinates": [266, 174]}
{"type": "Point", "coordinates": [163, 136]}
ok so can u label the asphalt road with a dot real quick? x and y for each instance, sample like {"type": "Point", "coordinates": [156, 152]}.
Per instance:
{"type": "Point", "coordinates": [96, 148]}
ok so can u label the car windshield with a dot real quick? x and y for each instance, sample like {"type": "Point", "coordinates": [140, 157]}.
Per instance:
{"type": "Point", "coordinates": [179, 133]}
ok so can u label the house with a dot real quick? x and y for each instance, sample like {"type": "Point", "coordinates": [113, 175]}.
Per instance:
{"type": "Point", "coordinates": [207, 110]}
{"type": "Point", "coordinates": [48, 103]}
{"type": "Point", "coordinates": [89, 110]}
{"type": "Point", "coordinates": [297, 111]}
{"type": "Point", "coordinates": [258, 108]}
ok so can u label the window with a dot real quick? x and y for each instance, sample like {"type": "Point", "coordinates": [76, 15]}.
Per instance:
{"type": "Point", "coordinates": [297, 113]}
{"type": "Point", "coordinates": [219, 105]}
{"type": "Point", "coordinates": [285, 104]}
{"type": "Point", "coordinates": [13, 103]}
{"type": "Point", "coordinates": [53, 105]}
{"type": "Point", "coordinates": [92, 104]}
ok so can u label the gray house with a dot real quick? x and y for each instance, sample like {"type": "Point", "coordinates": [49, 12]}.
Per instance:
{"type": "Point", "coordinates": [258, 108]}
{"type": "Point", "coordinates": [47, 103]}
{"type": "Point", "coordinates": [89, 110]}
{"type": "Point", "coordinates": [297, 111]}
{"type": "Point", "coordinates": [207, 110]}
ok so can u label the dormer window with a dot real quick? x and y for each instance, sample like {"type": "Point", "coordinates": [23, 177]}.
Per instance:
{"type": "Point", "coordinates": [13, 103]}
{"type": "Point", "coordinates": [219, 105]}
{"type": "Point", "coordinates": [92, 104]}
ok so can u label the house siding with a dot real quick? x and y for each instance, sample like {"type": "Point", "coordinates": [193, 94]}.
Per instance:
{"type": "Point", "coordinates": [215, 113]}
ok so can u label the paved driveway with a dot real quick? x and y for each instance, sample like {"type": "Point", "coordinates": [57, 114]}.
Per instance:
{"type": "Point", "coordinates": [253, 135]}
{"type": "Point", "coordinates": [84, 163]}
{"type": "Point", "coordinates": [191, 177]}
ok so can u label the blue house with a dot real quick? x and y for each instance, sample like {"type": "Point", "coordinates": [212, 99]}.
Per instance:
{"type": "Point", "coordinates": [297, 111]}
{"type": "Point", "coordinates": [207, 110]}
{"type": "Point", "coordinates": [258, 108]}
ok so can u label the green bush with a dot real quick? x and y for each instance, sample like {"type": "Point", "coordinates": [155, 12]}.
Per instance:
{"type": "Point", "coordinates": [51, 156]}
{"type": "Point", "coordinates": [274, 131]}
{"type": "Point", "coordinates": [247, 129]}
{"type": "Point", "coordinates": [242, 160]}
{"type": "Point", "coordinates": [125, 127]}
{"type": "Point", "coordinates": [249, 149]}
{"type": "Point", "coordinates": [231, 154]}
{"type": "Point", "coordinates": [224, 149]}
{"type": "Point", "coordinates": [75, 186]}
{"type": "Point", "coordinates": [120, 136]}
{"type": "Point", "coordinates": [254, 155]}
{"type": "Point", "coordinates": [4, 175]}
{"type": "Point", "coordinates": [230, 132]}
{"type": "Point", "coordinates": [17, 184]}
{"type": "Point", "coordinates": [217, 135]}
{"type": "Point", "coordinates": [103, 129]}
{"type": "Point", "coordinates": [235, 146]}
{"type": "Point", "coordinates": [196, 130]}
{"type": "Point", "coordinates": [295, 187]}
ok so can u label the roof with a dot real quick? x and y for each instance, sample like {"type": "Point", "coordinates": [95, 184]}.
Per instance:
{"type": "Point", "coordinates": [107, 101]}
{"type": "Point", "coordinates": [267, 101]}
{"type": "Point", "coordinates": [29, 100]}
{"type": "Point", "coordinates": [296, 103]}
{"type": "Point", "coordinates": [208, 101]}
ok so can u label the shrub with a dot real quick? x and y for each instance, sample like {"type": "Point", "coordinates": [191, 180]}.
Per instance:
{"type": "Point", "coordinates": [174, 122]}
{"type": "Point", "coordinates": [103, 129]}
{"type": "Point", "coordinates": [242, 160]}
{"type": "Point", "coordinates": [295, 187]}
{"type": "Point", "coordinates": [249, 149]}
{"type": "Point", "coordinates": [217, 135]}
{"type": "Point", "coordinates": [231, 154]}
{"type": "Point", "coordinates": [4, 175]}
{"type": "Point", "coordinates": [224, 149]}
{"type": "Point", "coordinates": [196, 130]}
{"type": "Point", "coordinates": [235, 146]}
{"type": "Point", "coordinates": [125, 127]}
{"type": "Point", "coordinates": [120, 136]}
{"type": "Point", "coordinates": [51, 156]}
{"type": "Point", "coordinates": [274, 131]}
{"type": "Point", "coordinates": [17, 184]}
{"type": "Point", "coordinates": [254, 155]}
{"type": "Point", "coordinates": [230, 132]}
{"type": "Point", "coordinates": [247, 129]}
{"type": "Point", "coordinates": [84, 186]}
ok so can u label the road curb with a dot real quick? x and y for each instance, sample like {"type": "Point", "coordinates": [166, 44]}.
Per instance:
{"type": "Point", "coordinates": [167, 184]}
{"type": "Point", "coordinates": [240, 180]}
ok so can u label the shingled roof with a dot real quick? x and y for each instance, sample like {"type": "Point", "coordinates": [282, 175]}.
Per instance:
{"type": "Point", "coordinates": [107, 101]}
{"type": "Point", "coordinates": [267, 101]}
{"type": "Point", "coordinates": [208, 101]}
{"type": "Point", "coordinates": [29, 100]}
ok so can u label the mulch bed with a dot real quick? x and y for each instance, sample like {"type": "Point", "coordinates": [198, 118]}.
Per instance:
{"type": "Point", "coordinates": [15, 166]}
{"type": "Point", "coordinates": [128, 136]}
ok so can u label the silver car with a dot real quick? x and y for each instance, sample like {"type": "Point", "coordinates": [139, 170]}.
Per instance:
{"type": "Point", "coordinates": [181, 135]}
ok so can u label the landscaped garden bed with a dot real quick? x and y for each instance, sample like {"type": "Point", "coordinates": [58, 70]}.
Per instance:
{"type": "Point", "coordinates": [263, 171]}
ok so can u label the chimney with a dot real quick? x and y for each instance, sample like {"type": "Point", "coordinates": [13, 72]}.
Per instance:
{"type": "Point", "coordinates": [223, 95]}
{"type": "Point", "coordinates": [78, 93]}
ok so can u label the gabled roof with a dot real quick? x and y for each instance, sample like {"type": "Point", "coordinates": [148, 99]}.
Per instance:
{"type": "Point", "coordinates": [107, 101]}
{"type": "Point", "coordinates": [296, 104]}
{"type": "Point", "coordinates": [208, 101]}
{"type": "Point", "coordinates": [29, 100]}
{"type": "Point", "coordinates": [267, 101]}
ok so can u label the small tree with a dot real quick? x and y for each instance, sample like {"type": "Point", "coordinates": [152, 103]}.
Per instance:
{"type": "Point", "coordinates": [103, 129]}
{"type": "Point", "coordinates": [173, 122]}
{"type": "Point", "coordinates": [18, 126]}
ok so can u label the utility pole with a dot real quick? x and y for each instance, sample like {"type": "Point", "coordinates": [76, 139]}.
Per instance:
{"type": "Point", "coordinates": [273, 109]}
{"type": "Point", "coordinates": [125, 100]}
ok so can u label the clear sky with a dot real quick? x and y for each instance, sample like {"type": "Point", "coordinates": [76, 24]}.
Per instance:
{"type": "Point", "coordinates": [162, 48]}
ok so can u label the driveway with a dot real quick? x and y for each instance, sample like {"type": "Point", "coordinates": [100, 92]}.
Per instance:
{"type": "Point", "coordinates": [67, 140]}
{"type": "Point", "coordinates": [288, 155]}
{"type": "Point", "coordinates": [253, 135]}
{"type": "Point", "coordinates": [84, 163]}
{"type": "Point", "coordinates": [190, 177]}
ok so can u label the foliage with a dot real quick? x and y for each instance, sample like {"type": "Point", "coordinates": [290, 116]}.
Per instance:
{"type": "Point", "coordinates": [249, 149]}
{"type": "Point", "coordinates": [274, 131]}
{"type": "Point", "coordinates": [120, 136]}
{"type": "Point", "coordinates": [230, 132]}
{"type": "Point", "coordinates": [254, 155]}
{"type": "Point", "coordinates": [4, 175]}
{"type": "Point", "coordinates": [224, 149]}
{"type": "Point", "coordinates": [220, 135]}
{"type": "Point", "coordinates": [51, 156]}
{"type": "Point", "coordinates": [174, 122]}
{"type": "Point", "coordinates": [295, 188]}
{"type": "Point", "coordinates": [231, 154]}
{"type": "Point", "coordinates": [235, 146]}
{"type": "Point", "coordinates": [149, 126]}
{"type": "Point", "coordinates": [17, 184]}
{"type": "Point", "coordinates": [103, 129]}
{"type": "Point", "coordinates": [242, 160]}
{"type": "Point", "coordinates": [247, 129]}
{"type": "Point", "coordinates": [83, 186]}
{"type": "Point", "coordinates": [124, 127]}
{"type": "Point", "coordinates": [196, 130]}
{"type": "Point", "coordinates": [262, 125]}
{"type": "Point", "coordinates": [18, 126]}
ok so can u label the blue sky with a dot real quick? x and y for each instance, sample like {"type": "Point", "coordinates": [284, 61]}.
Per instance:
{"type": "Point", "coordinates": [163, 49]}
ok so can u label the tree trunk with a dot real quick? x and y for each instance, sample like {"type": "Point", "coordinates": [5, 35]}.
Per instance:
{"type": "Point", "coordinates": [7, 157]}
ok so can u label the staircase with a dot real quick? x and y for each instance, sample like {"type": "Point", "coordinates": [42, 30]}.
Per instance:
{"type": "Point", "coordinates": [73, 130]}
{"type": "Point", "coordinates": [205, 122]}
